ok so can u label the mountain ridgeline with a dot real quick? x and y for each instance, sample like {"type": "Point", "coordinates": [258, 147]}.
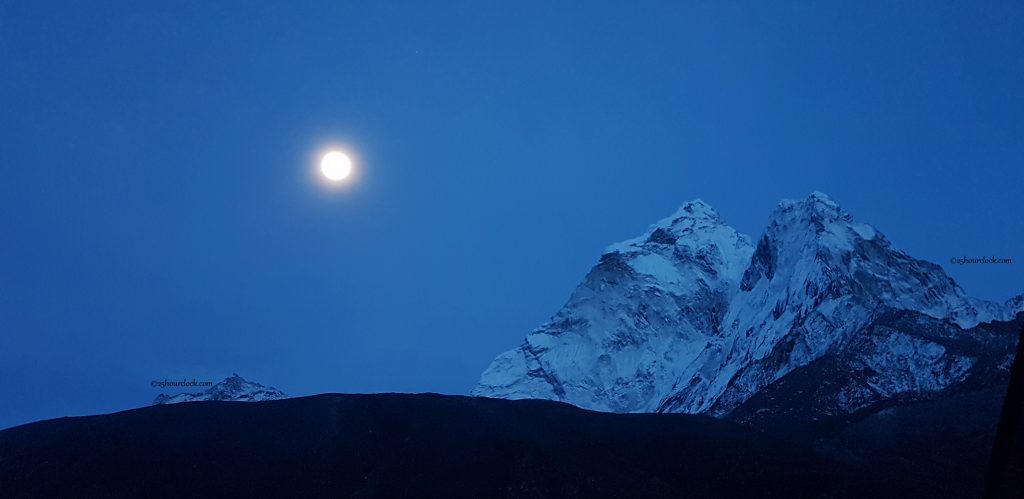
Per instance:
{"type": "Point", "coordinates": [821, 318]}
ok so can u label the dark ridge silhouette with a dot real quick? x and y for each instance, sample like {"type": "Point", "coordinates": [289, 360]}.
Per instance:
{"type": "Point", "coordinates": [403, 445]}
{"type": "Point", "coordinates": [392, 445]}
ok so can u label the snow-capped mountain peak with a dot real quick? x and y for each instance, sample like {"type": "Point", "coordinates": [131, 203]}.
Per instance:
{"type": "Point", "coordinates": [815, 244]}
{"type": "Point", "coordinates": [695, 233]}
{"type": "Point", "coordinates": [639, 317]}
{"type": "Point", "coordinates": [816, 278]}
{"type": "Point", "coordinates": [691, 216]}
{"type": "Point", "coordinates": [233, 388]}
{"type": "Point", "coordinates": [690, 317]}
{"type": "Point", "coordinates": [697, 209]}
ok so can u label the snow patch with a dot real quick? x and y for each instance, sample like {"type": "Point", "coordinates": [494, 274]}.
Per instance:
{"type": "Point", "coordinates": [656, 266]}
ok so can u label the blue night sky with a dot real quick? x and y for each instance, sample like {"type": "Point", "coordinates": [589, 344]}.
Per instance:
{"type": "Point", "coordinates": [160, 218]}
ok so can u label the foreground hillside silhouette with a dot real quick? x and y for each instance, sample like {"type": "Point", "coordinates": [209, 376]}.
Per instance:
{"type": "Point", "coordinates": [394, 445]}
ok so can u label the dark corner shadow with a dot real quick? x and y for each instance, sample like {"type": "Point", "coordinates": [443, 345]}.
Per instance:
{"type": "Point", "coordinates": [1006, 471]}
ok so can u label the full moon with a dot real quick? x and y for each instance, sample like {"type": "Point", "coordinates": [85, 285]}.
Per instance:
{"type": "Point", "coordinates": [335, 166]}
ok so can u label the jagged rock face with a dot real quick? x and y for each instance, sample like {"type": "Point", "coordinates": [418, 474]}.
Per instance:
{"type": "Point", "coordinates": [691, 318]}
{"type": "Point", "coordinates": [234, 388]}
{"type": "Point", "coordinates": [1013, 306]}
{"type": "Point", "coordinates": [641, 315]}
